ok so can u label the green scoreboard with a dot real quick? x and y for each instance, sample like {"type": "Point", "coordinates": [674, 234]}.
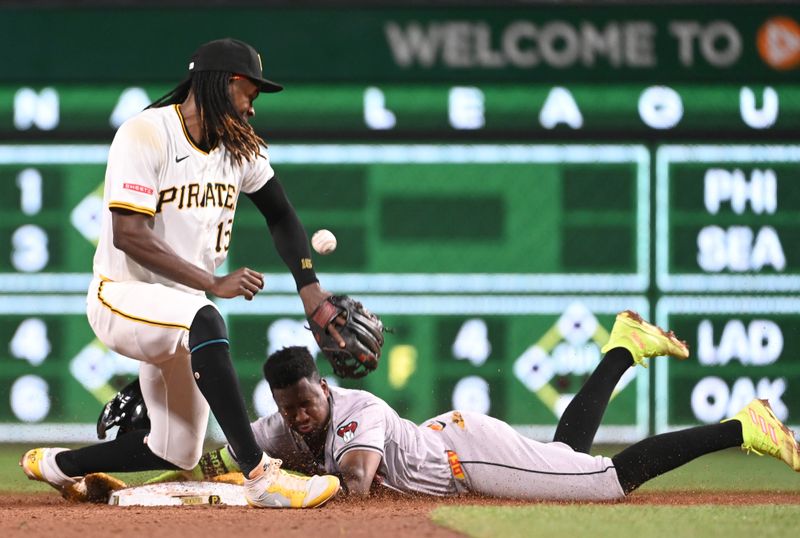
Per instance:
{"type": "Point", "coordinates": [501, 184]}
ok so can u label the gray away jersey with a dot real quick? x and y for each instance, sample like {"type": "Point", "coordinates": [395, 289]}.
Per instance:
{"type": "Point", "coordinates": [486, 455]}
{"type": "Point", "coordinates": [413, 458]}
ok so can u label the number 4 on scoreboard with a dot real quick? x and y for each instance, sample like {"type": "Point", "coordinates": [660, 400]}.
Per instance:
{"type": "Point", "coordinates": [30, 342]}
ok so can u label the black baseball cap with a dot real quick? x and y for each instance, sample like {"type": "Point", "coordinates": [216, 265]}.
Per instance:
{"type": "Point", "coordinates": [232, 56]}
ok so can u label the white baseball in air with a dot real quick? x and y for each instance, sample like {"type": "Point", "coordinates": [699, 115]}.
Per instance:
{"type": "Point", "coordinates": [323, 241]}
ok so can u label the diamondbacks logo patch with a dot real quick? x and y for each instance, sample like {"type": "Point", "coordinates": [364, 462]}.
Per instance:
{"type": "Point", "coordinates": [348, 431]}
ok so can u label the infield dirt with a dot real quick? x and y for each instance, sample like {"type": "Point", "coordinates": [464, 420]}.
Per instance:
{"type": "Point", "coordinates": [40, 515]}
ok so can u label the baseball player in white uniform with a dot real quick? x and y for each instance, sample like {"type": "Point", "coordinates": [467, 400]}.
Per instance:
{"type": "Point", "coordinates": [357, 436]}
{"type": "Point", "coordinates": [174, 177]}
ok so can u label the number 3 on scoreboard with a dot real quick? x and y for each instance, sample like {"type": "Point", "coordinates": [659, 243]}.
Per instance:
{"type": "Point", "coordinates": [224, 235]}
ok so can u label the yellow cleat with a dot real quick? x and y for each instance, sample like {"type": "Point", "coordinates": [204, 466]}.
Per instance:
{"type": "Point", "coordinates": [229, 478]}
{"type": "Point", "coordinates": [763, 433]}
{"type": "Point", "coordinates": [40, 464]}
{"type": "Point", "coordinates": [273, 487]}
{"type": "Point", "coordinates": [643, 339]}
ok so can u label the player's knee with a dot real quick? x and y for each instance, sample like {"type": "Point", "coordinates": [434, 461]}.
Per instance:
{"type": "Point", "coordinates": [189, 461]}
{"type": "Point", "coordinates": [186, 459]}
{"type": "Point", "coordinates": [183, 452]}
{"type": "Point", "coordinates": [207, 326]}
{"type": "Point", "coordinates": [190, 454]}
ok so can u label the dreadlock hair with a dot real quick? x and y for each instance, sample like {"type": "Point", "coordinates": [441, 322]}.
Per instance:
{"type": "Point", "coordinates": [289, 365]}
{"type": "Point", "coordinates": [219, 121]}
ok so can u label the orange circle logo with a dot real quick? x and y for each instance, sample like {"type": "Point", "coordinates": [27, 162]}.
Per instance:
{"type": "Point", "coordinates": [778, 42]}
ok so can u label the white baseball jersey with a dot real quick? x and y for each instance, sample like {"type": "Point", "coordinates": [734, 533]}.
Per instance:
{"type": "Point", "coordinates": [449, 454]}
{"type": "Point", "coordinates": [155, 169]}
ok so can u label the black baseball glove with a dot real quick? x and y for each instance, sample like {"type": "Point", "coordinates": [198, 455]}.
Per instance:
{"type": "Point", "coordinates": [362, 332]}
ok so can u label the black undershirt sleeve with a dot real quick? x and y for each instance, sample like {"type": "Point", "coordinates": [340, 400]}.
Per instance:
{"type": "Point", "coordinates": [288, 234]}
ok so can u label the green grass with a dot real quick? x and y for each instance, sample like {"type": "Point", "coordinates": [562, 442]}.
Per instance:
{"type": "Point", "coordinates": [729, 470]}
{"type": "Point", "coordinates": [620, 521]}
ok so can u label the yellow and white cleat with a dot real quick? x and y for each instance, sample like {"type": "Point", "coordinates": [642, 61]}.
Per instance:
{"type": "Point", "coordinates": [643, 339]}
{"type": "Point", "coordinates": [40, 464]}
{"type": "Point", "coordinates": [276, 488]}
{"type": "Point", "coordinates": [763, 434]}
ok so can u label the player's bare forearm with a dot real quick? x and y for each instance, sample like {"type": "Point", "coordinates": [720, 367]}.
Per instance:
{"type": "Point", "coordinates": [134, 236]}
{"type": "Point", "coordinates": [312, 295]}
{"type": "Point", "coordinates": [358, 469]}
